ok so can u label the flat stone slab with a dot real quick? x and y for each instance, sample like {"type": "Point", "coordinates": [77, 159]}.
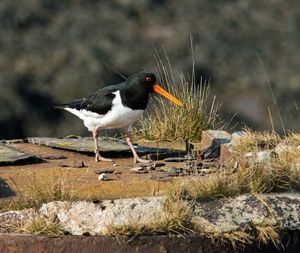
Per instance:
{"type": "Point", "coordinates": [86, 144]}
{"type": "Point", "coordinates": [10, 155]}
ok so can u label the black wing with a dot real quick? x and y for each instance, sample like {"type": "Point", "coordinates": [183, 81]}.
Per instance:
{"type": "Point", "coordinates": [100, 102]}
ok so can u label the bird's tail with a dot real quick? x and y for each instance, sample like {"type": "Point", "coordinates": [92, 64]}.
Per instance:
{"type": "Point", "coordinates": [76, 104]}
{"type": "Point", "coordinates": [60, 106]}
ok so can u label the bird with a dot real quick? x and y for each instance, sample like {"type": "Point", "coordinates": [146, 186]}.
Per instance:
{"type": "Point", "coordinates": [117, 106]}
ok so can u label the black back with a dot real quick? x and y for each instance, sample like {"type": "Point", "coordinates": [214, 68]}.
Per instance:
{"type": "Point", "coordinates": [134, 94]}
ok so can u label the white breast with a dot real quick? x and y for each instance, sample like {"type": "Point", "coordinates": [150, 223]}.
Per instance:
{"type": "Point", "coordinates": [118, 117]}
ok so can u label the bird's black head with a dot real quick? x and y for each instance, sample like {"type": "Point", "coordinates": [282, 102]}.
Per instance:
{"type": "Point", "coordinates": [136, 91]}
{"type": "Point", "coordinates": [144, 80]}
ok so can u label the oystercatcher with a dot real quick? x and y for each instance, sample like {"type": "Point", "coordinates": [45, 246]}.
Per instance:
{"type": "Point", "coordinates": [117, 106]}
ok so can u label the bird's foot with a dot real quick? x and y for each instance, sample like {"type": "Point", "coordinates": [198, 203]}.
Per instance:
{"type": "Point", "coordinates": [99, 158]}
{"type": "Point", "coordinates": [140, 160]}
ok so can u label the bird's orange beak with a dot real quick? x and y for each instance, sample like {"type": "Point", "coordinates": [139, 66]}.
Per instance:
{"type": "Point", "coordinates": [161, 91]}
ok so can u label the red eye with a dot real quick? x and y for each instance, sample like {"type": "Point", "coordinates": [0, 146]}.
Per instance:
{"type": "Point", "coordinates": [148, 78]}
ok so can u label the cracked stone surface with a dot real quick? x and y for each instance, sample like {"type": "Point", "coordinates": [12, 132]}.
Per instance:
{"type": "Point", "coordinates": [231, 214]}
{"type": "Point", "coordinates": [18, 217]}
{"type": "Point", "coordinates": [222, 215]}
{"type": "Point", "coordinates": [95, 219]}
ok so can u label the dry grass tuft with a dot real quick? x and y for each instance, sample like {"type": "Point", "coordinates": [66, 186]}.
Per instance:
{"type": "Point", "coordinates": [175, 220]}
{"type": "Point", "coordinates": [38, 194]}
{"type": "Point", "coordinates": [44, 227]}
{"type": "Point", "coordinates": [8, 227]}
{"type": "Point", "coordinates": [293, 139]}
{"type": "Point", "coordinates": [237, 239]}
{"type": "Point", "coordinates": [218, 185]}
{"type": "Point", "coordinates": [267, 233]}
{"type": "Point", "coordinates": [168, 121]}
{"type": "Point", "coordinates": [255, 141]}
{"type": "Point", "coordinates": [280, 173]}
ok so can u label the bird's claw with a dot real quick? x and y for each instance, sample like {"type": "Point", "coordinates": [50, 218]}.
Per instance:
{"type": "Point", "coordinates": [140, 160]}
{"type": "Point", "coordinates": [98, 157]}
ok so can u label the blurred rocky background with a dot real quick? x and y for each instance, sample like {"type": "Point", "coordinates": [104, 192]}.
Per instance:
{"type": "Point", "coordinates": [52, 51]}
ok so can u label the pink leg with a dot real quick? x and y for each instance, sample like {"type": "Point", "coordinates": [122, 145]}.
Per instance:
{"type": "Point", "coordinates": [136, 157]}
{"type": "Point", "coordinates": [98, 157]}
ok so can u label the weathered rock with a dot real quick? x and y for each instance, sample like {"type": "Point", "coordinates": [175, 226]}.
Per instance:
{"type": "Point", "coordinates": [103, 177]}
{"type": "Point", "coordinates": [140, 170]}
{"type": "Point", "coordinates": [227, 155]}
{"type": "Point", "coordinates": [214, 138]}
{"type": "Point", "coordinates": [81, 217]}
{"type": "Point", "coordinates": [13, 141]}
{"type": "Point", "coordinates": [265, 155]}
{"type": "Point", "coordinates": [148, 166]}
{"type": "Point", "coordinates": [10, 155]}
{"type": "Point", "coordinates": [236, 135]}
{"type": "Point", "coordinates": [212, 152]}
{"type": "Point", "coordinates": [157, 165]}
{"type": "Point", "coordinates": [221, 215]}
{"type": "Point", "coordinates": [103, 171]}
{"type": "Point", "coordinates": [18, 217]}
{"type": "Point", "coordinates": [238, 213]}
{"type": "Point", "coordinates": [162, 169]}
{"type": "Point", "coordinates": [212, 142]}
{"type": "Point", "coordinates": [224, 215]}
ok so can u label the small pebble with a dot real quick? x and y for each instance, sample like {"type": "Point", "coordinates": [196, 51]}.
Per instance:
{"type": "Point", "coordinates": [103, 177]}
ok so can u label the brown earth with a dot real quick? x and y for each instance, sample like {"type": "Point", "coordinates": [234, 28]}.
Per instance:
{"type": "Point", "coordinates": [81, 179]}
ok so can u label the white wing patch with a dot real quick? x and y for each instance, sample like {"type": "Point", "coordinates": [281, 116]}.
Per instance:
{"type": "Point", "coordinates": [118, 117]}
